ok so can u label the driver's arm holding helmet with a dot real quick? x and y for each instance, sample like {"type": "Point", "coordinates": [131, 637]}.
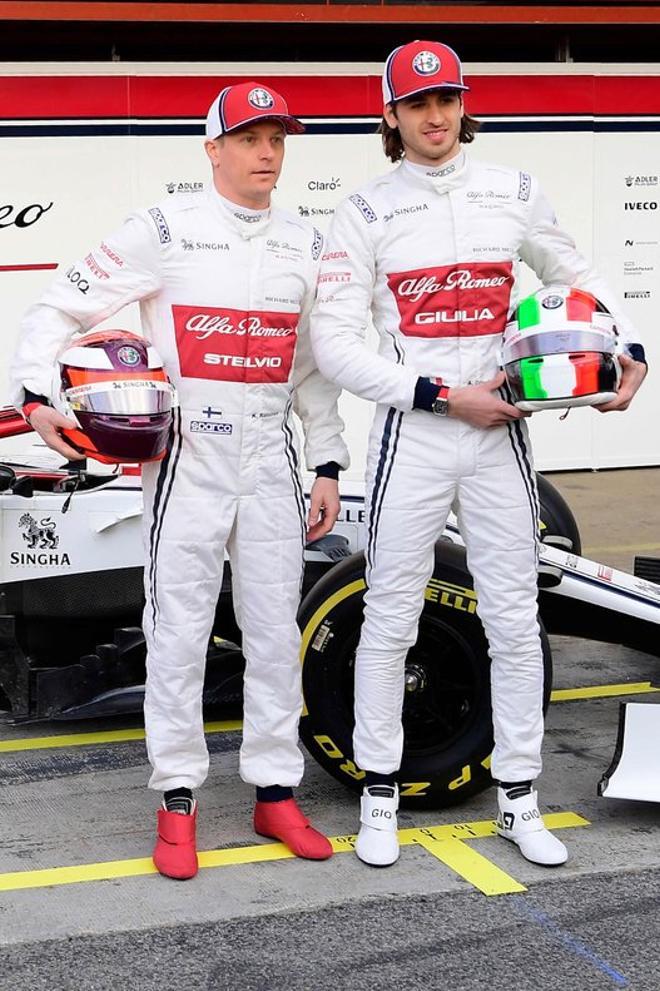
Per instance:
{"type": "Point", "coordinates": [225, 282]}
{"type": "Point", "coordinates": [430, 249]}
{"type": "Point", "coordinates": [124, 268]}
{"type": "Point", "coordinates": [552, 255]}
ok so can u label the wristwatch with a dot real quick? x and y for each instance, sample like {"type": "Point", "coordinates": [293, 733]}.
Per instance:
{"type": "Point", "coordinates": [440, 405]}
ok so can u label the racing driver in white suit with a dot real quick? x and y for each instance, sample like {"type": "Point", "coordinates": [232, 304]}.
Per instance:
{"type": "Point", "coordinates": [225, 283]}
{"type": "Point", "coordinates": [431, 249]}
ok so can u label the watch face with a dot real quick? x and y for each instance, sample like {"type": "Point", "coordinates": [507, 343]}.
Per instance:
{"type": "Point", "coordinates": [440, 407]}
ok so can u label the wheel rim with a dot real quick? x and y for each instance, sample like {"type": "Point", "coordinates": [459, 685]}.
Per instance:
{"type": "Point", "coordinates": [445, 688]}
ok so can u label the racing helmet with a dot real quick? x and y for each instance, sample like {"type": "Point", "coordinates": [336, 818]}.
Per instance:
{"type": "Point", "coordinates": [114, 384]}
{"type": "Point", "coordinates": [559, 350]}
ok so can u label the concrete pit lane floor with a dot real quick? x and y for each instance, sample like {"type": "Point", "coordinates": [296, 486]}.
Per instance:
{"type": "Point", "coordinates": [254, 920]}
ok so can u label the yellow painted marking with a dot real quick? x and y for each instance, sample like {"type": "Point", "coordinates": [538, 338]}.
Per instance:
{"type": "Point", "coordinates": [601, 691]}
{"type": "Point", "coordinates": [109, 736]}
{"type": "Point", "coordinates": [230, 725]}
{"type": "Point", "coordinates": [478, 870]}
{"type": "Point", "coordinates": [431, 836]}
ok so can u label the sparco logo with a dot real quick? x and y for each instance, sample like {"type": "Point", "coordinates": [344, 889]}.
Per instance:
{"type": "Point", "coordinates": [41, 539]}
{"type": "Point", "coordinates": [204, 324]}
{"type": "Point", "coordinates": [24, 217]}
{"type": "Point", "coordinates": [460, 278]}
{"type": "Point", "coordinates": [644, 205]}
{"type": "Point", "coordinates": [451, 301]}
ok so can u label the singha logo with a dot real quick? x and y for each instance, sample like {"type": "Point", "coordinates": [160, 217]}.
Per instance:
{"type": "Point", "coordinates": [39, 535]}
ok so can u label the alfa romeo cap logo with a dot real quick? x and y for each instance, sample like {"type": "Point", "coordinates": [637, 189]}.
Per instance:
{"type": "Point", "coordinates": [552, 302]}
{"type": "Point", "coordinates": [128, 355]}
{"type": "Point", "coordinates": [426, 63]}
{"type": "Point", "coordinates": [260, 98]}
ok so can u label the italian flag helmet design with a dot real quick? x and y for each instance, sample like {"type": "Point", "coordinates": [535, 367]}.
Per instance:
{"type": "Point", "coordinates": [559, 350]}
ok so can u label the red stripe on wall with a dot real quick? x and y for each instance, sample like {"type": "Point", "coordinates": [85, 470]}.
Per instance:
{"type": "Point", "coordinates": [71, 97]}
{"type": "Point", "coordinates": [454, 13]}
{"type": "Point", "coordinates": [28, 268]}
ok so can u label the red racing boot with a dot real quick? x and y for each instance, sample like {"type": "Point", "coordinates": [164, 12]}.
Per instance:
{"type": "Point", "coordinates": [175, 853]}
{"type": "Point", "coordinates": [285, 822]}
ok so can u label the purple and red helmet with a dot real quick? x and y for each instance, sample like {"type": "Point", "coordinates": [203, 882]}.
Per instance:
{"type": "Point", "coordinates": [114, 384]}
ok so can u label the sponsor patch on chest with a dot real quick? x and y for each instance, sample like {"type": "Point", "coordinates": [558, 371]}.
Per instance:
{"type": "Point", "coordinates": [462, 300]}
{"type": "Point", "coordinates": [230, 345]}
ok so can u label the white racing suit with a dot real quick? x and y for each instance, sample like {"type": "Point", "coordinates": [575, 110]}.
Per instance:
{"type": "Point", "coordinates": [225, 297]}
{"type": "Point", "coordinates": [432, 253]}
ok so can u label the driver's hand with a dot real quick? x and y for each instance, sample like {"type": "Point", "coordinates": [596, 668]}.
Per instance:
{"type": "Point", "coordinates": [324, 506]}
{"type": "Point", "coordinates": [480, 406]}
{"type": "Point", "coordinates": [633, 374]}
{"type": "Point", "coordinates": [48, 423]}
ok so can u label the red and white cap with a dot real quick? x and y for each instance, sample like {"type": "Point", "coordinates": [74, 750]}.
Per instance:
{"type": "Point", "coordinates": [242, 104]}
{"type": "Point", "coordinates": [420, 66]}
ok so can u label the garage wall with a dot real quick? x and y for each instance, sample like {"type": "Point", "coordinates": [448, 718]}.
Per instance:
{"type": "Point", "coordinates": [82, 145]}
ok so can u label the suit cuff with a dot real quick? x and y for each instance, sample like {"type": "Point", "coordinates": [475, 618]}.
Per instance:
{"type": "Point", "coordinates": [31, 401]}
{"type": "Point", "coordinates": [636, 352]}
{"type": "Point", "coordinates": [329, 470]}
{"type": "Point", "coordinates": [426, 393]}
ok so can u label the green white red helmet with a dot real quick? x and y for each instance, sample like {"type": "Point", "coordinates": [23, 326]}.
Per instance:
{"type": "Point", "coordinates": [559, 350]}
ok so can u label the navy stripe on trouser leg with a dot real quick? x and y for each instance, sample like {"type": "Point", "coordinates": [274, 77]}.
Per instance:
{"type": "Point", "coordinates": [266, 552]}
{"type": "Point", "coordinates": [378, 479]}
{"type": "Point", "coordinates": [498, 521]}
{"type": "Point", "coordinates": [187, 574]}
{"type": "Point", "coordinates": [296, 483]}
{"type": "Point", "coordinates": [411, 513]}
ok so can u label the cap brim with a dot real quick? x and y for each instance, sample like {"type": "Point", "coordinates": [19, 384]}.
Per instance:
{"type": "Point", "coordinates": [290, 124]}
{"type": "Point", "coordinates": [427, 89]}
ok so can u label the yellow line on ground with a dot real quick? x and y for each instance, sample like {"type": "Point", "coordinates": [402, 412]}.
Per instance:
{"type": "Point", "coordinates": [109, 736]}
{"type": "Point", "coordinates": [472, 868]}
{"type": "Point", "coordinates": [602, 691]}
{"type": "Point", "coordinates": [447, 843]}
{"type": "Point", "coordinates": [228, 726]}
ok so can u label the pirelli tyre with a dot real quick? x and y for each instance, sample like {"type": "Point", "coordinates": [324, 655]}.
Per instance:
{"type": "Point", "coordinates": [557, 520]}
{"type": "Point", "coordinates": [446, 714]}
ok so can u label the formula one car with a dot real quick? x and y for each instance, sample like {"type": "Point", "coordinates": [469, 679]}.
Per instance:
{"type": "Point", "coordinates": [71, 601]}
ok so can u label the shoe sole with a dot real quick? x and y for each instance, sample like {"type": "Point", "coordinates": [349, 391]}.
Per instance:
{"type": "Point", "coordinates": [377, 866]}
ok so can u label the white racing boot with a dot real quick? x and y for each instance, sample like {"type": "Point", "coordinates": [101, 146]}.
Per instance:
{"type": "Point", "coordinates": [377, 843]}
{"type": "Point", "coordinates": [520, 821]}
